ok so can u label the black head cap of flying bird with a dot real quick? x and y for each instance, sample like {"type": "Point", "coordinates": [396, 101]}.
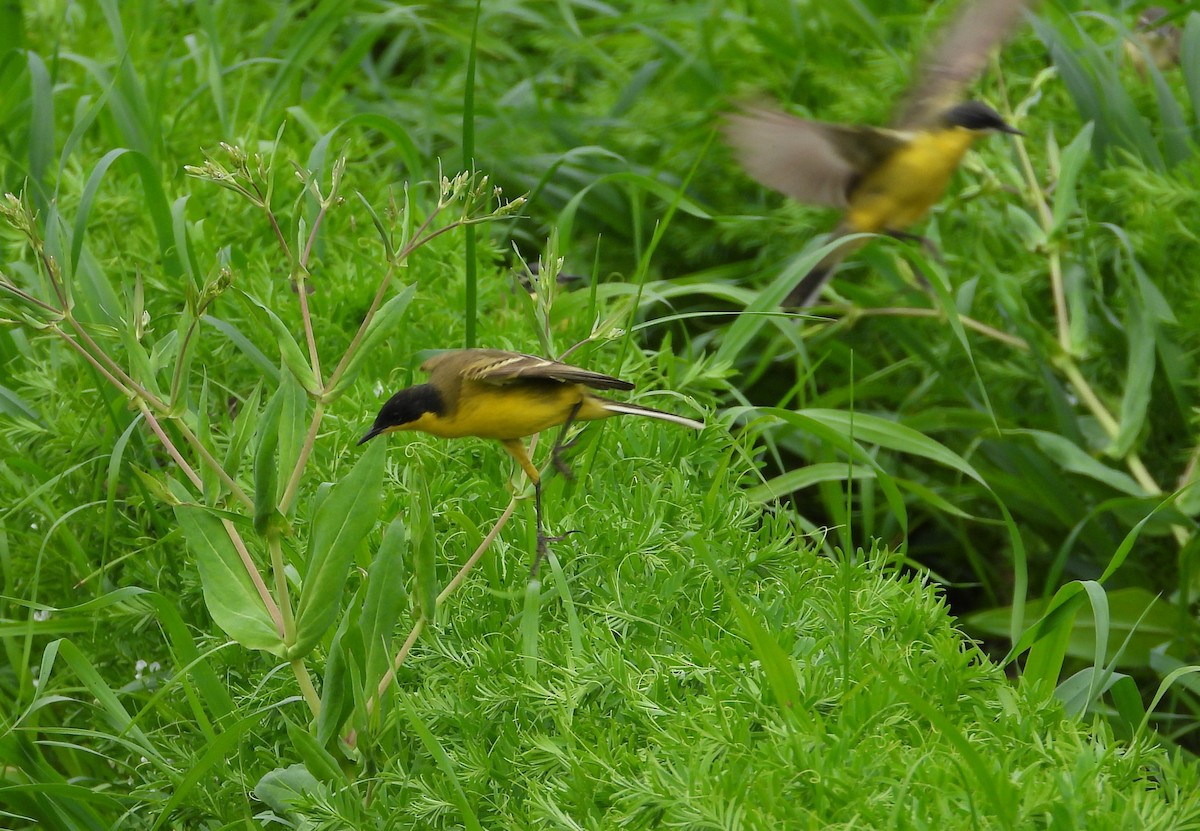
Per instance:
{"type": "Point", "coordinates": [975, 115]}
{"type": "Point", "coordinates": [405, 407]}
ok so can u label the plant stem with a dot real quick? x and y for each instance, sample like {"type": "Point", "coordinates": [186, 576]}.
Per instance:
{"type": "Point", "coordinates": [970, 322]}
{"type": "Point", "coordinates": [278, 569]}
{"type": "Point", "coordinates": [255, 576]}
{"type": "Point", "coordinates": [293, 485]}
{"type": "Point", "coordinates": [306, 687]}
{"type": "Point", "coordinates": [172, 451]}
{"type": "Point", "coordinates": [306, 315]}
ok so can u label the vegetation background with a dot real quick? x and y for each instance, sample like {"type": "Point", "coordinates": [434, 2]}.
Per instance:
{"type": "Point", "coordinates": [233, 230]}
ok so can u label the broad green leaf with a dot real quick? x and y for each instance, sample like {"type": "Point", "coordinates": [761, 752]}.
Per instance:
{"type": "Point", "coordinates": [1139, 374]}
{"type": "Point", "coordinates": [1127, 699]}
{"type": "Point", "coordinates": [268, 368]}
{"type": "Point", "coordinates": [286, 789]}
{"type": "Point", "coordinates": [266, 469]}
{"type": "Point", "coordinates": [1134, 614]}
{"type": "Point", "coordinates": [1189, 58]}
{"type": "Point", "coordinates": [208, 476]}
{"type": "Point", "coordinates": [869, 429]}
{"type": "Point", "coordinates": [106, 697]}
{"type": "Point", "coordinates": [1074, 156]}
{"type": "Point", "coordinates": [41, 122]}
{"type": "Point", "coordinates": [843, 430]}
{"type": "Point", "coordinates": [338, 693]}
{"type": "Point", "coordinates": [137, 360]}
{"type": "Point", "coordinates": [1069, 456]}
{"type": "Point", "coordinates": [216, 754]}
{"type": "Point", "coordinates": [289, 350]}
{"type": "Point", "coordinates": [338, 529]}
{"type": "Point", "coordinates": [384, 325]}
{"type": "Point", "coordinates": [229, 593]}
{"type": "Point", "coordinates": [804, 477]}
{"type": "Point", "coordinates": [293, 427]}
{"type": "Point", "coordinates": [243, 428]}
{"type": "Point", "coordinates": [88, 195]}
{"type": "Point", "coordinates": [316, 758]}
{"type": "Point", "coordinates": [385, 599]}
{"type": "Point", "coordinates": [765, 307]}
{"type": "Point", "coordinates": [13, 406]}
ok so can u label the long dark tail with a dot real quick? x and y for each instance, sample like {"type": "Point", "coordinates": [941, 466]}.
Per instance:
{"type": "Point", "coordinates": [808, 291]}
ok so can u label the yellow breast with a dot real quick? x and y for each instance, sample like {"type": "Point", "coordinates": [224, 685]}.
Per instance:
{"type": "Point", "coordinates": [901, 191]}
{"type": "Point", "coordinates": [504, 411]}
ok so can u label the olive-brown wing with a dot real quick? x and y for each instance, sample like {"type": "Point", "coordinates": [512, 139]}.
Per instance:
{"type": "Point", "coordinates": [498, 366]}
{"type": "Point", "coordinates": [960, 55]}
{"type": "Point", "coordinates": [810, 161]}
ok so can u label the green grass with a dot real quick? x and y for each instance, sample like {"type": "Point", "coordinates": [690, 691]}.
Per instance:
{"type": "Point", "coordinates": [229, 241]}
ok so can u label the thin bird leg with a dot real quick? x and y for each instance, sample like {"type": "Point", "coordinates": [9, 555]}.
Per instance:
{"type": "Point", "coordinates": [560, 446]}
{"type": "Point", "coordinates": [930, 247]}
{"type": "Point", "coordinates": [516, 449]}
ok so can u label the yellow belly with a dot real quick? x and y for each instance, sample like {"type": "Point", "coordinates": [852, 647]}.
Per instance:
{"type": "Point", "coordinates": [512, 411]}
{"type": "Point", "coordinates": [901, 191]}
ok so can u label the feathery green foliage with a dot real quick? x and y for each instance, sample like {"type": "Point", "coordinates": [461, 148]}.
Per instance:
{"type": "Point", "coordinates": [217, 610]}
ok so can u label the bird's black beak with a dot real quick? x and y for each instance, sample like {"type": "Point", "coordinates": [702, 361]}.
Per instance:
{"type": "Point", "coordinates": [374, 431]}
{"type": "Point", "coordinates": [1011, 130]}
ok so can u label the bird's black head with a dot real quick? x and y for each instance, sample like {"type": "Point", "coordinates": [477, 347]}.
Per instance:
{"type": "Point", "coordinates": [404, 408]}
{"type": "Point", "coordinates": [975, 115]}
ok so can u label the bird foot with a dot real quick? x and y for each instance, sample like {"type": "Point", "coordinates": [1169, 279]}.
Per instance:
{"type": "Point", "coordinates": [543, 548]}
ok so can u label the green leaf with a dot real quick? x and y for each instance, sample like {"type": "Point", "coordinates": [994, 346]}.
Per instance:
{"type": "Point", "coordinates": [775, 662]}
{"type": "Point", "coordinates": [316, 758]}
{"type": "Point", "coordinates": [1189, 58]}
{"type": "Point", "coordinates": [293, 426]}
{"type": "Point", "coordinates": [266, 471]}
{"type": "Point", "coordinates": [442, 758]}
{"type": "Point", "coordinates": [764, 309]}
{"type": "Point", "coordinates": [339, 528]}
{"type": "Point", "coordinates": [13, 406]}
{"type": "Point", "coordinates": [1139, 374]}
{"type": "Point", "coordinates": [216, 754]}
{"type": "Point", "coordinates": [804, 477]}
{"type": "Point", "coordinates": [229, 592]}
{"type": "Point", "coordinates": [106, 697]}
{"type": "Point", "coordinates": [385, 323]}
{"type": "Point", "coordinates": [1069, 456]}
{"type": "Point", "coordinates": [289, 350]}
{"type": "Point", "coordinates": [208, 475]}
{"type": "Point", "coordinates": [1074, 156]}
{"type": "Point", "coordinates": [285, 789]}
{"type": "Point", "coordinates": [265, 365]}
{"type": "Point", "coordinates": [243, 428]}
{"type": "Point", "coordinates": [848, 430]}
{"type": "Point", "coordinates": [385, 599]}
{"type": "Point", "coordinates": [869, 429]}
{"type": "Point", "coordinates": [338, 683]}
{"type": "Point", "coordinates": [1127, 699]}
{"type": "Point", "coordinates": [424, 552]}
